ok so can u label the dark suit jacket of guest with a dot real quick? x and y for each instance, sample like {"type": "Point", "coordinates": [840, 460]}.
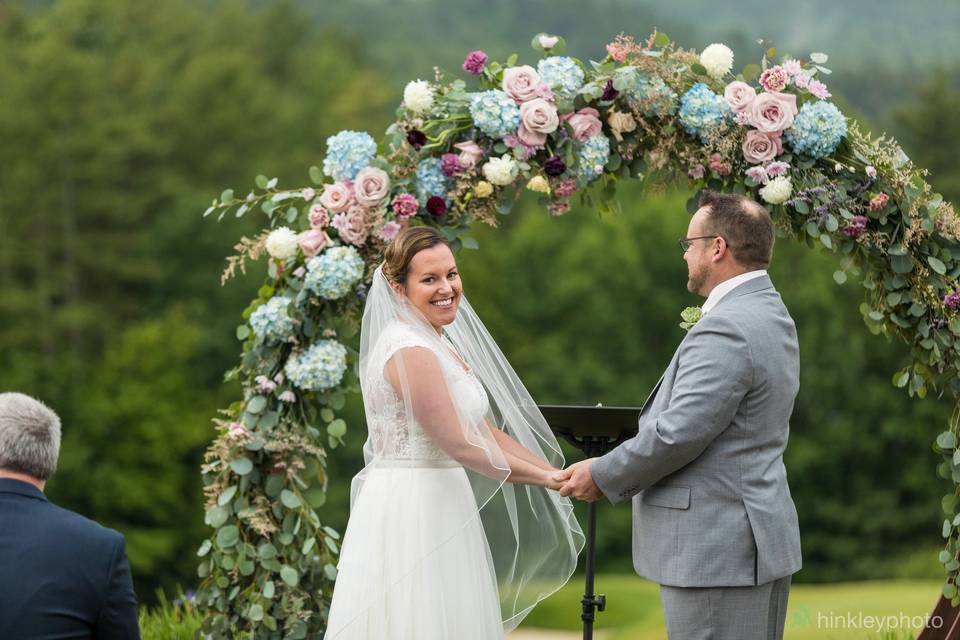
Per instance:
{"type": "Point", "coordinates": [62, 576]}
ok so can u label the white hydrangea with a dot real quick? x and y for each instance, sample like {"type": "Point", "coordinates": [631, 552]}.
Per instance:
{"type": "Point", "coordinates": [717, 59]}
{"type": "Point", "coordinates": [282, 243]}
{"type": "Point", "coordinates": [500, 171]}
{"type": "Point", "coordinates": [777, 190]}
{"type": "Point", "coordinates": [418, 96]}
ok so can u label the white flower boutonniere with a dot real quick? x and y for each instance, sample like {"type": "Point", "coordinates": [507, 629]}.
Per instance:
{"type": "Point", "coordinates": [690, 317]}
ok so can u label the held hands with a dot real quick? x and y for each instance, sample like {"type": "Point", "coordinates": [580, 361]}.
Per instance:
{"type": "Point", "coordinates": [576, 481]}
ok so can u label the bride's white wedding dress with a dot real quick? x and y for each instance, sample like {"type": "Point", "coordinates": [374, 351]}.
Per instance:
{"type": "Point", "coordinates": [415, 562]}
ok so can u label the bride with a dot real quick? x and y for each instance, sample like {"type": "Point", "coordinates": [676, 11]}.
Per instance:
{"type": "Point", "coordinates": [456, 530]}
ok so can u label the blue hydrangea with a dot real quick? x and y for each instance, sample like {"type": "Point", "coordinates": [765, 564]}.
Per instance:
{"type": "Point", "coordinates": [817, 130]}
{"type": "Point", "coordinates": [563, 74]}
{"type": "Point", "coordinates": [594, 153]}
{"type": "Point", "coordinates": [430, 181]}
{"type": "Point", "coordinates": [347, 153]}
{"type": "Point", "coordinates": [332, 274]}
{"type": "Point", "coordinates": [271, 321]}
{"type": "Point", "coordinates": [702, 111]}
{"type": "Point", "coordinates": [649, 93]}
{"type": "Point", "coordinates": [494, 113]}
{"type": "Point", "coordinates": [319, 368]}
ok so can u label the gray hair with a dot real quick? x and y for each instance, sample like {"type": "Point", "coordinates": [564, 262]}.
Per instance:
{"type": "Point", "coordinates": [29, 436]}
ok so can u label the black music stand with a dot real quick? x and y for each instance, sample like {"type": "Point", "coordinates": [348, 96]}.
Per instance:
{"type": "Point", "coordinates": [595, 431]}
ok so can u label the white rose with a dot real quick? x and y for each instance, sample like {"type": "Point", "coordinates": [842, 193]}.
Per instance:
{"type": "Point", "coordinates": [418, 96]}
{"type": "Point", "coordinates": [717, 59]}
{"type": "Point", "coordinates": [282, 243]}
{"type": "Point", "coordinates": [548, 42]}
{"type": "Point", "coordinates": [500, 171]}
{"type": "Point", "coordinates": [777, 190]}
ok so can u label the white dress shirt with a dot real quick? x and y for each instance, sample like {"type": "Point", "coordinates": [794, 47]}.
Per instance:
{"type": "Point", "coordinates": [727, 286]}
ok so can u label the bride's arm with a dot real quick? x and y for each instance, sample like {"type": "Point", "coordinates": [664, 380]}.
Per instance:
{"type": "Point", "coordinates": [416, 374]}
{"type": "Point", "coordinates": [517, 450]}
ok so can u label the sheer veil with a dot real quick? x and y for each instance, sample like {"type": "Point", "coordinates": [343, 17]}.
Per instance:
{"type": "Point", "coordinates": [531, 532]}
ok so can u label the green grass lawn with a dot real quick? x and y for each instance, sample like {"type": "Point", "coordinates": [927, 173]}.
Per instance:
{"type": "Point", "coordinates": [816, 612]}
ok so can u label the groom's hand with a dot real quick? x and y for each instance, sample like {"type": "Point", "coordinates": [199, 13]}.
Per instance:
{"type": "Point", "coordinates": [578, 482]}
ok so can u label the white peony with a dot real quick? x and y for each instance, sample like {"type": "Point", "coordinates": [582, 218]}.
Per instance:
{"type": "Point", "coordinates": [282, 243]}
{"type": "Point", "coordinates": [418, 96]}
{"type": "Point", "coordinates": [717, 59]}
{"type": "Point", "coordinates": [777, 190]}
{"type": "Point", "coordinates": [500, 171]}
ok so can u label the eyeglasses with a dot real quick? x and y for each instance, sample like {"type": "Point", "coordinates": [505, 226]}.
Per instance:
{"type": "Point", "coordinates": [686, 242]}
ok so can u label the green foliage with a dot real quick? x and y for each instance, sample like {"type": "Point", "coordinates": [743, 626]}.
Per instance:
{"type": "Point", "coordinates": [178, 620]}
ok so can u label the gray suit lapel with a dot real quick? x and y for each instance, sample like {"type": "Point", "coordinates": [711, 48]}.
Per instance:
{"type": "Point", "coordinates": [750, 286]}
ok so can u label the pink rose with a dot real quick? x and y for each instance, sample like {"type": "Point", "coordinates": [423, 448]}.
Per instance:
{"type": "Point", "coordinates": [772, 112]}
{"type": "Point", "coordinates": [585, 123]}
{"type": "Point", "coordinates": [759, 147]}
{"type": "Point", "coordinates": [371, 186]}
{"type": "Point", "coordinates": [537, 118]}
{"type": "Point", "coordinates": [739, 95]}
{"type": "Point", "coordinates": [313, 242]}
{"type": "Point", "coordinates": [470, 154]}
{"type": "Point", "coordinates": [530, 138]}
{"type": "Point", "coordinates": [774, 79]}
{"type": "Point", "coordinates": [404, 205]}
{"type": "Point", "coordinates": [520, 83]}
{"type": "Point", "coordinates": [352, 225]}
{"type": "Point", "coordinates": [319, 218]}
{"type": "Point", "coordinates": [337, 197]}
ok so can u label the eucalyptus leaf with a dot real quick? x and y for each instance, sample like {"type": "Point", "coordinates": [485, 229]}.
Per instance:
{"type": "Point", "coordinates": [290, 499]}
{"type": "Point", "coordinates": [228, 536]}
{"type": "Point", "coordinates": [227, 495]}
{"type": "Point", "coordinates": [290, 576]}
{"type": "Point", "coordinates": [241, 466]}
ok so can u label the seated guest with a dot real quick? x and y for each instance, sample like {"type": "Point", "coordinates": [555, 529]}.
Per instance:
{"type": "Point", "coordinates": [61, 575]}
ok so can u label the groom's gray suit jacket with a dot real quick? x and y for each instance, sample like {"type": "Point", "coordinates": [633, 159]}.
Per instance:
{"type": "Point", "coordinates": [711, 503]}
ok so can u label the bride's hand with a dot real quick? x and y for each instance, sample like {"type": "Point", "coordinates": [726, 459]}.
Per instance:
{"type": "Point", "coordinates": [550, 480]}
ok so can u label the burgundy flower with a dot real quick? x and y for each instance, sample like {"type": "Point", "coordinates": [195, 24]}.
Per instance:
{"type": "Point", "coordinates": [554, 166]}
{"type": "Point", "coordinates": [952, 300]}
{"type": "Point", "coordinates": [436, 206]}
{"type": "Point", "coordinates": [855, 227]}
{"type": "Point", "coordinates": [416, 138]}
{"type": "Point", "coordinates": [609, 93]}
{"type": "Point", "coordinates": [450, 165]}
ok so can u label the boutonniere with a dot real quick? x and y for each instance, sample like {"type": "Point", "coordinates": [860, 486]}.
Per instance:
{"type": "Point", "coordinates": [690, 316]}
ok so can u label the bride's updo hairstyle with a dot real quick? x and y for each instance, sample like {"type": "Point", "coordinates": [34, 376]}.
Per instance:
{"type": "Point", "coordinates": [408, 243]}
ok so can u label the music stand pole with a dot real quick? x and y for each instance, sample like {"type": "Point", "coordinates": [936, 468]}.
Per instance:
{"type": "Point", "coordinates": [591, 602]}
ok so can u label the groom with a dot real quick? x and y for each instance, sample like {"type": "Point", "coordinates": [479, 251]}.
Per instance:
{"type": "Point", "coordinates": [714, 523]}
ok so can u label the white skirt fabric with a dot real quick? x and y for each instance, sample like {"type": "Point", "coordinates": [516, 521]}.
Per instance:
{"type": "Point", "coordinates": [414, 562]}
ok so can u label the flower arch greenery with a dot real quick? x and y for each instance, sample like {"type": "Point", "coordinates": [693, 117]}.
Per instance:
{"type": "Point", "coordinates": [460, 153]}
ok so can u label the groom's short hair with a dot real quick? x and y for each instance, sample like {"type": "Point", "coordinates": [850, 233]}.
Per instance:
{"type": "Point", "coordinates": [744, 224]}
{"type": "Point", "coordinates": [29, 436]}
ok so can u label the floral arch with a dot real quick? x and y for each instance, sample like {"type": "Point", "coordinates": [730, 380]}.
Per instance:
{"type": "Point", "coordinates": [460, 152]}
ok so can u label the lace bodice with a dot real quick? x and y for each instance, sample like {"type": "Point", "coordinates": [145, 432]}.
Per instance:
{"type": "Point", "coordinates": [392, 434]}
